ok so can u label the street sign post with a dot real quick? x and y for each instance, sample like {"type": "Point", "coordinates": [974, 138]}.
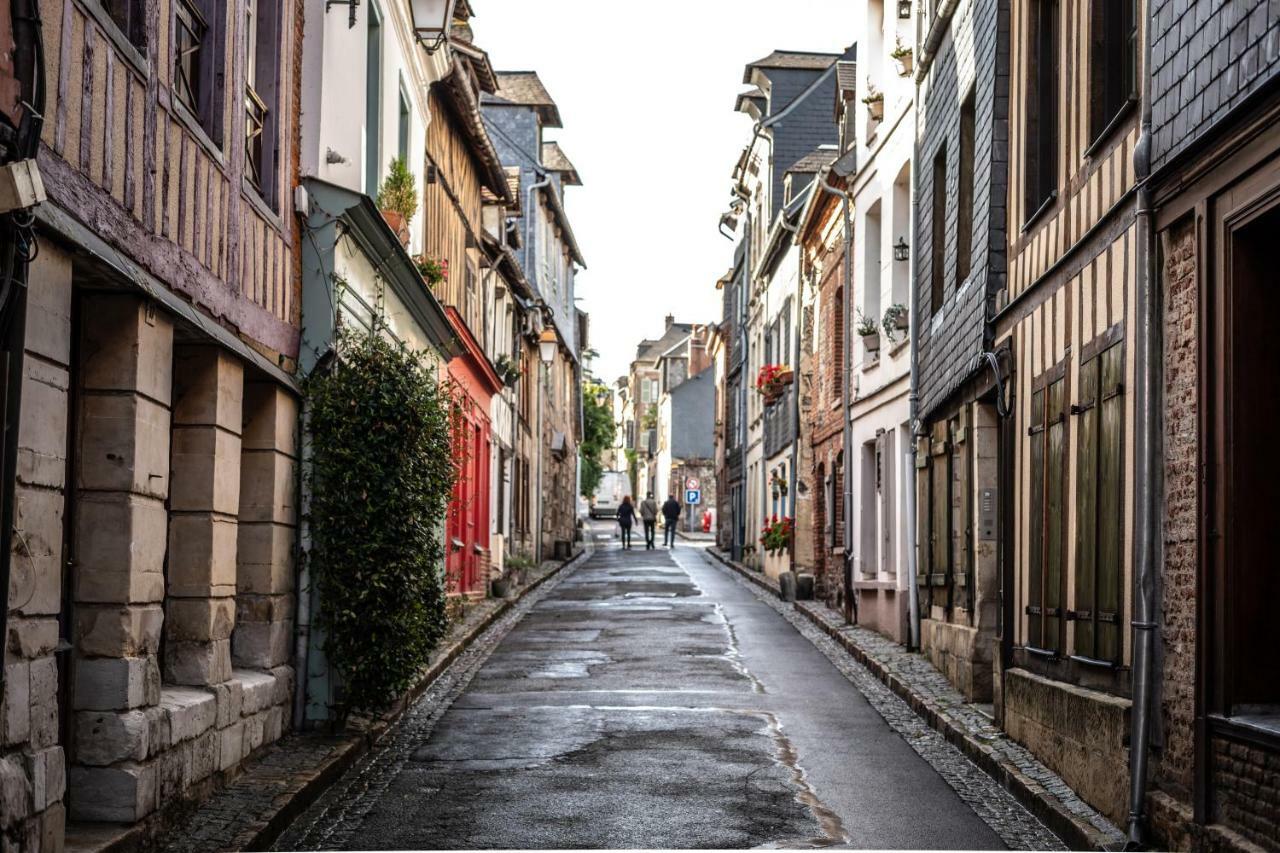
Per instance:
{"type": "Point", "coordinates": [692, 496]}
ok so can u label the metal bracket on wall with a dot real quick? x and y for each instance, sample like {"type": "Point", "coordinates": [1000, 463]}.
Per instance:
{"type": "Point", "coordinates": [351, 5]}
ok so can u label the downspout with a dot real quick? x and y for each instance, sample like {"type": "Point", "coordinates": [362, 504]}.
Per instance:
{"type": "Point", "coordinates": [846, 358]}
{"type": "Point", "coordinates": [743, 377]}
{"type": "Point", "coordinates": [913, 408]}
{"type": "Point", "coordinates": [795, 394]}
{"type": "Point", "coordinates": [528, 253]}
{"type": "Point", "coordinates": [1147, 363]}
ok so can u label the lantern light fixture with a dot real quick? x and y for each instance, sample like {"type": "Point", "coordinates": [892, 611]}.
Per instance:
{"type": "Point", "coordinates": [904, 9]}
{"type": "Point", "coordinates": [547, 345]}
{"type": "Point", "coordinates": [431, 22]}
{"type": "Point", "coordinates": [901, 251]}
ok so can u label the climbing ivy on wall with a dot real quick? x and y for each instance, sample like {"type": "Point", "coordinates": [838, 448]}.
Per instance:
{"type": "Point", "coordinates": [380, 481]}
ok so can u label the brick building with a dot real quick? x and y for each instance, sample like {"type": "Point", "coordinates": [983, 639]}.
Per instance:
{"type": "Point", "coordinates": [1215, 100]}
{"type": "Point", "coordinates": [960, 263]}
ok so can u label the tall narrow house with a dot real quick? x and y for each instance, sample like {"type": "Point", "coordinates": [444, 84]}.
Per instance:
{"type": "Point", "coordinates": [959, 259]}
{"type": "Point", "coordinates": [151, 583]}
{"type": "Point", "coordinates": [1215, 186]}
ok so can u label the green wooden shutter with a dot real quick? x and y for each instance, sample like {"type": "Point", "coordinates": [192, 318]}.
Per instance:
{"type": "Point", "coordinates": [1055, 533]}
{"type": "Point", "coordinates": [1036, 523]}
{"type": "Point", "coordinates": [1086, 605]}
{"type": "Point", "coordinates": [1110, 505]}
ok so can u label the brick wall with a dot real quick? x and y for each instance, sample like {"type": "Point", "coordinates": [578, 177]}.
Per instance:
{"type": "Point", "coordinates": [1207, 57]}
{"type": "Point", "coordinates": [1246, 786]}
{"type": "Point", "coordinates": [823, 416]}
{"type": "Point", "coordinates": [1178, 580]}
{"type": "Point", "coordinates": [978, 38]}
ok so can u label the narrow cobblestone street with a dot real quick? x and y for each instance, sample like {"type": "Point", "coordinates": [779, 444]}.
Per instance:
{"type": "Point", "coordinates": [652, 699]}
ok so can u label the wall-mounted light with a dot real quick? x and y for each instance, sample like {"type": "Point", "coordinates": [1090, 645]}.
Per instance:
{"type": "Point", "coordinates": [431, 22]}
{"type": "Point", "coordinates": [904, 9]}
{"type": "Point", "coordinates": [901, 251]}
{"type": "Point", "coordinates": [547, 346]}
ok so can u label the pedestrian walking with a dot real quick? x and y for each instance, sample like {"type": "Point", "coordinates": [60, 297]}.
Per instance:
{"type": "Point", "coordinates": [626, 518]}
{"type": "Point", "coordinates": [649, 515]}
{"type": "Point", "coordinates": [670, 514]}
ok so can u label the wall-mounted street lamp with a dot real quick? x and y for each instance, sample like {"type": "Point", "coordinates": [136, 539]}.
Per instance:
{"type": "Point", "coordinates": [547, 346]}
{"type": "Point", "coordinates": [901, 251]}
{"type": "Point", "coordinates": [904, 9]}
{"type": "Point", "coordinates": [431, 22]}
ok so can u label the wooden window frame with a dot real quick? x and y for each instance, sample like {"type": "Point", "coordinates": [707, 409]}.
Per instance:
{"type": "Point", "coordinates": [1113, 64]}
{"type": "Point", "coordinates": [938, 233]}
{"type": "Point", "coordinates": [964, 194]}
{"type": "Point", "coordinates": [1040, 107]}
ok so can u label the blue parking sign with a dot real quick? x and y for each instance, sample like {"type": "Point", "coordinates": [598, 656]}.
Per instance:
{"type": "Point", "coordinates": [693, 496]}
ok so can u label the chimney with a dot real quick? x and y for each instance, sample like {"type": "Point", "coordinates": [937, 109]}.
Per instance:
{"type": "Point", "coordinates": [671, 318]}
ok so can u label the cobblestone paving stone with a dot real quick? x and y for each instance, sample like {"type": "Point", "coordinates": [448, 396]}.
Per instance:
{"type": "Point", "coordinates": [332, 820]}
{"type": "Point", "coordinates": [233, 816]}
{"type": "Point", "coordinates": [1016, 826]}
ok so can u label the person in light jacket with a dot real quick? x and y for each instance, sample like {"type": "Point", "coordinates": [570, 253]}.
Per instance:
{"type": "Point", "coordinates": [649, 515]}
{"type": "Point", "coordinates": [670, 514]}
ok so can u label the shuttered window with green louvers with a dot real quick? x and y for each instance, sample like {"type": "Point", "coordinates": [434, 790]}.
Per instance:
{"type": "Point", "coordinates": [1099, 508]}
{"type": "Point", "coordinates": [1046, 582]}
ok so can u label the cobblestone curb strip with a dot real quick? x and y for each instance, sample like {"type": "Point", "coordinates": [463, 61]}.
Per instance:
{"type": "Point", "coordinates": [915, 682]}
{"type": "Point", "coordinates": [251, 811]}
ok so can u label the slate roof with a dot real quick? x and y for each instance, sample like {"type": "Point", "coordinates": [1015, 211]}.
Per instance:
{"type": "Point", "coordinates": [791, 59]}
{"type": "Point", "coordinates": [816, 160]}
{"type": "Point", "coordinates": [650, 350]}
{"type": "Point", "coordinates": [554, 159]}
{"type": "Point", "coordinates": [524, 88]}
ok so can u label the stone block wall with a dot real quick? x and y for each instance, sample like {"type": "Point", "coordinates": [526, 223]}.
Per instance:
{"type": "Point", "coordinates": [180, 521]}
{"type": "Point", "coordinates": [1079, 734]}
{"type": "Point", "coordinates": [32, 761]}
{"type": "Point", "coordinates": [961, 653]}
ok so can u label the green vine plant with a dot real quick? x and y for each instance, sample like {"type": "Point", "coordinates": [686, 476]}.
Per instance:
{"type": "Point", "coordinates": [381, 476]}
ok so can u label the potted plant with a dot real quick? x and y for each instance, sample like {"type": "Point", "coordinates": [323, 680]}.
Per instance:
{"type": "Point", "coordinates": [776, 534]}
{"type": "Point", "coordinates": [875, 103]}
{"type": "Point", "coordinates": [398, 198]}
{"type": "Point", "coordinates": [902, 57]}
{"type": "Point", "coordinates": [433, 271]}
{"type": "Point", "coordinates": [896, 319]}
{"type": "Point", "coordinates": [507, 369]}
{"type": "Point", "coordinates": [773, 379]}
{"type": "Point", "coordinates": [869, 331]}
{"type": "Point", "coordinates": [779, 485]}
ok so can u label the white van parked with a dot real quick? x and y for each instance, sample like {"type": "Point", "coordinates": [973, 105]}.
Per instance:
{"type": "Point", "coordinates": [614, 486]}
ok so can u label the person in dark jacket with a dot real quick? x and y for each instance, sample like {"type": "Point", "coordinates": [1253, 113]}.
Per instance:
{"type": "Point", "coordinates": [626, 518]}
{"type": "Point", "coordinates": [670, 514]}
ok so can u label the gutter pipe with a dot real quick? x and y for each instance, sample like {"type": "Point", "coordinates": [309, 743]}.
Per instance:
{"type": "Point", "coordinates": [913, 408]}
{"type": "Point", "coordinates": [1146, 438]}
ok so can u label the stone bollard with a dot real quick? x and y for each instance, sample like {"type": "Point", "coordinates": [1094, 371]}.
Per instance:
{"type": "Point", "coordinates": [804, 587]}
{"type": "Point", "coordinates": [787, 586]}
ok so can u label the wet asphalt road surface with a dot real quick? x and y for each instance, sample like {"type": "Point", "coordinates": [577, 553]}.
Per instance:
{"type": "Point", "coordinates": [648, 700]}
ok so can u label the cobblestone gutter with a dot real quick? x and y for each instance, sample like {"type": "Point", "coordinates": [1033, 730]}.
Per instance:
{"type": "Point", "coordinates": [914, 680]}
{"type": "Point", "coordinates": [251, 810]}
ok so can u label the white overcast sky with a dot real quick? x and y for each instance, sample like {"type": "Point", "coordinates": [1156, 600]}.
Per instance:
{"type": "Point", "coordinates": [646, 92]}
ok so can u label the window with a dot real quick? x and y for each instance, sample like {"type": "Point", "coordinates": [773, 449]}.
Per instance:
{"type": "Point", "coordinates": [199, 35]}
{"type": "Point", "coordinates": [939, 517]}
{"type": "Point", "coordinates": [1113, 61]}
{"type": "Point", "coordinates": [373, 102]}
{"type": "Point", "coordinates": [1041, 107]}
{"type": "Point", "coordinates": [964, 198]}
{"type": "Point", "coordinates": [872, 263]}
{"type": "Point", "coordinates": [1047, 522]}
{"type": "Point", "coordinates": [937, 282]}
{"type": "Point", "coordinates": [403, 141]}
{"type": "Point", "coordinates": [1099, 510]}
{"type": "Point", "coordinates": [130, 17]}
{"type": "Point", "coordinates": [262, 78]}
{"type": "Point", "coordinates": [848, 130]}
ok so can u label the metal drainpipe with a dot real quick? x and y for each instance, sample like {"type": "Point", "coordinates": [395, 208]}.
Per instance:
{"type": "Point", "coordinates": [1146, 367]}
{"type": "Point", "coordinates": [743, 377]}
{"type": "Point", "coordinates": [846, 358]}
{"type": "Point", "coordinates": [795, 394]}
{"type": "Point", "coordinates": [913, 416]}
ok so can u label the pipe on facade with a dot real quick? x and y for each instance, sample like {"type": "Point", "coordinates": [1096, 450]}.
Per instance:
{"type": "Point", "coordinates": [1147, 363]}
{"type": "Point", "coordinates": [913, 415]}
